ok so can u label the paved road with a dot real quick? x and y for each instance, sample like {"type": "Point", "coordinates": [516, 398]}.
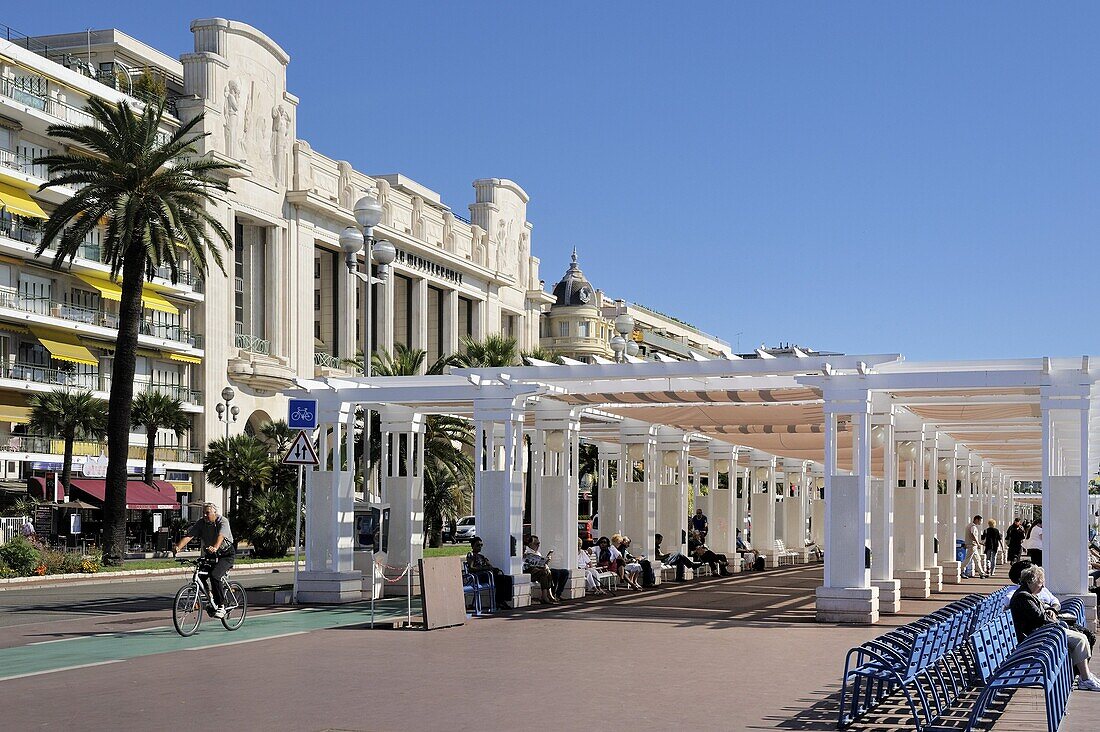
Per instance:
{"type": "Point", "coordinates": [738, 653]}
{"type": "Point", "coordinates": [126, 599]}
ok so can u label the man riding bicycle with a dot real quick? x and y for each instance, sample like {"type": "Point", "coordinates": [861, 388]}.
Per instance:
{"type": "Point", "coordinates": [216, 540]}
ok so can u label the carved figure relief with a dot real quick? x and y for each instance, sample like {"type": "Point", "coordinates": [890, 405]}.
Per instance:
{"type": "Point", "coordinates": [230, 114]}
{"type": "Point", "coordinates": [477, 245]}
{"type": "Point", "coordinates": [523, 260]}
{"type": "Point", "coordinates": [418, 217]}
{"type": "Point", "coordinates": [448, 231]}
{"type": "Point", "coordinates": [280, 142]}
{"type": "Point", "coordinates": [345, 186]}
{"type": "Point", "coordinates": [383, 196]}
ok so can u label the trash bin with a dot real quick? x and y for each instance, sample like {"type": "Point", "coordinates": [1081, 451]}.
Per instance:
{"type": "Point", "coordinates": [960, 551]}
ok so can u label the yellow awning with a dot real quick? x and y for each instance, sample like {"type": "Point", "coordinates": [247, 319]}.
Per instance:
{"type": "Point", "coordinates": [153, 301]}
{"type": "Point", "coordinates": [112, 291]}
{"type": "Point", "coordinates": [182, 486]}
{"type": "Point", "coordinates": [12, 413]}
{"type": "Point", "coordinates": [183, 358]}
{"type": "Point", "coordinates": [64, 346]}
{"type": "Point", "coordinates": [107, 290]}
{"type": "Point", "coordinates": [17, 201]}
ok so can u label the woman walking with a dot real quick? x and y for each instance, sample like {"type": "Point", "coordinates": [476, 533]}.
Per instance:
{"type": "Point", "coordinates": [991, 537]}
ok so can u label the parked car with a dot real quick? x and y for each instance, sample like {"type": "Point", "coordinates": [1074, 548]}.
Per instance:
{"type": "Point", "coordinates": [448, 533]}
{"type": "Point", "coordinates": [584, 530]}
{"type": "Point", "coordinates": [465, 529]}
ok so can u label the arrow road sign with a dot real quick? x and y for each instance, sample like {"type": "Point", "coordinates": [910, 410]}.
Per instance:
{"type": "Point", "coordinates": [301, 451]}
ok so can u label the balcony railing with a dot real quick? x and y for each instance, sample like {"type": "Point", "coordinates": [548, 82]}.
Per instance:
{"type": "Point", "coordinates": [23, 163]}
{"type": "Point", "coordinates": [47, 306]}
{"type": "Point", "coordinates": [94, 448]}
{"type": "Point", "coordinates": [327, 360]}
{"type": "Point", "coordinates": [176, 391]}
{"type": "Point", "coordinates": [93, 380]}
{"type": "Point", "coordinates": [253, 344]}
{"type": "Point", "coordinates": [28, 93]}
{"type": "Point", "coordinates": [20, 232]}
{"type": "Point", "coordinates": [46, 375]}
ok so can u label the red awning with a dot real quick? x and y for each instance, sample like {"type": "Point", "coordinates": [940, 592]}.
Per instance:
{"type": "Point", "coordinates": [139, 495]}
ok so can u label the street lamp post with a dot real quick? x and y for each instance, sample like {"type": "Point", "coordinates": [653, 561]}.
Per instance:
{"type": "Point", "coordinates": [368, 214]}
{"type": "Point", "coordinates": [226, 413]}
{"type": "Point", "coordinates": [620, 344]}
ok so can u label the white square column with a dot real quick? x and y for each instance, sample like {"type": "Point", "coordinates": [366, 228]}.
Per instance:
{"type": "Point", "coordinates": [929, 484]}
{"type": "Point", "coordinates": [762, 506]}
{"type": "Point", "coordinates": [555, 475]}
{"type": "Point", "coordinates": [1066, 408]}
{"type": "Point", "coordinates": [882, 508]}
{"type": "Point", "coordinates": [498, 489]}
{"type": "Point", "coordinates": [847, 595]}
{"type": "Point", "coordinates": [948, 515]}
{"type": "Point", "coordinates": [794, 511]}
{"type": "Point", "coordinates": [911, 567]}
{"type": "Point", "coordinates": [402, 472]}
{"type": "Point", "coordinates": [610, 496]}
{"type": "Point", "coordinates": [639, 497]}
{"type": "Point", "coordinates": [671, 478]}
{"type": "Point", "coordinates": [723, 517]}
{"type": "Point", "coordinates": [330, 575]}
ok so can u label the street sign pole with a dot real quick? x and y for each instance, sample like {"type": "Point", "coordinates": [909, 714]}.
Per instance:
{"type": "Point", "coordinates": [301, 453]}
{"type": "Point", "coordinates": [297, 532]}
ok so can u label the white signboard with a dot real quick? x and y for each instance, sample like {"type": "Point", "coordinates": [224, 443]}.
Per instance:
{"type": "Point", "coordinates": [301, 451]}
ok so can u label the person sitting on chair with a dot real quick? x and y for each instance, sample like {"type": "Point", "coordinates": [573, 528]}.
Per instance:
{"type": "Point", "coordinates": [476, 563]}
{"type": "Point", "coordinates": [551, 580]}
{"type": "Point", "coordinates": [674, 559]}
{"type": "Point", "coordinates": [586, 564]}
{"type": "Point", "coordinates": [608, 558]}
{"type": "Point", "coordinates": [1029, 614]}
{"type": "Point", "coordinates": [635, 569]}
{"type": "Point", "coordinates": [702, 553]}
{"type": "Point", "coordinates": [743, 549]}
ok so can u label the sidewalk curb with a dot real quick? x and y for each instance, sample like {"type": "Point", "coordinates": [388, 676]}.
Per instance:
{"type": "Point", "coordinates": [71, 580]}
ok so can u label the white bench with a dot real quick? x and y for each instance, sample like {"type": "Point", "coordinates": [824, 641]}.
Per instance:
{"type": "Point", "coordinates": [603, 575]}
{"type": "Point", "coordinates": [784, 555]}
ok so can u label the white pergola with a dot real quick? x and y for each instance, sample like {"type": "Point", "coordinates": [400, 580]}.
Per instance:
{"type": "Point", "coordinates": [880, 455]}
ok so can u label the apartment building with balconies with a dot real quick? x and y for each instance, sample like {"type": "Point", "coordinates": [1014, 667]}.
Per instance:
{"type": "Point", "coordinates": [58, 325]}
{"type": "Point", "coordinates": [286, 307]}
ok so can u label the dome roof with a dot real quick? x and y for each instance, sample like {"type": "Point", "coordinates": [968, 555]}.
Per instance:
{"type": "Point", "coordinates": [574, 288]}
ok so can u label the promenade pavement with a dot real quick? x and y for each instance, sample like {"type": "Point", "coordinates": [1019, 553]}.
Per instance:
{"type": "Point", "coordinates": [739, 653]}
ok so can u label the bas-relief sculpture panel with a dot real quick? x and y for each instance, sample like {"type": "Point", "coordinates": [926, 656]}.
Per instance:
{"type": "Point", "coordinates": [257, 124]}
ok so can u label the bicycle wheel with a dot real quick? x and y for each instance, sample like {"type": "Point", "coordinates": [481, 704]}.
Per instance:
{"type": "Point", "coordinates": [236, 606]}
{"type": "Point", "coordinates": [187, 610]}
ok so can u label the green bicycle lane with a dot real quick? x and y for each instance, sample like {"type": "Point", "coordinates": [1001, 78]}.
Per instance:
{"type": "Point", "coordinates": [107, 648]}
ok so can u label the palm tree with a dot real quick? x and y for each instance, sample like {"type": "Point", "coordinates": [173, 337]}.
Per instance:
{"type": "Point", "coordinates": [494, 351]}
{"type": "Point", "coordinates": [542, 354]}
{"type": "Point", "coordinates": [68, 414]}
{"type": "Point", "coordinates": [240, 464]}
{"type": "Point", "coordinates": [152, 192]}
{"type": "Point", "coordinates": [155, 410]}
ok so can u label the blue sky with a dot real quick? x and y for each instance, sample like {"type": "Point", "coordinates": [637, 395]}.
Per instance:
{"type": "Point", "coordinates": [862, 177]}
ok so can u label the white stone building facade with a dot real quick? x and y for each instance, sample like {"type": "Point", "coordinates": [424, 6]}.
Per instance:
{"type": "Point", "coordinates": [283, 308]}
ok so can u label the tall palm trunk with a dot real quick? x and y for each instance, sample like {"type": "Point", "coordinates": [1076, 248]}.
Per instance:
{"type": "Point", "coordinates": [150, 445]}
{"type": "Point", "coordinates": [67, 461]}
{"type": "Point", "coordinates": [122, 395]}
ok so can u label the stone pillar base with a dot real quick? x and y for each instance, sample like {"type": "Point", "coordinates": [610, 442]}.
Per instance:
{"type": "Point", "coordinates": [914, 584]}
{"type": "Point", "coordinates": [856, 605]}
{"type": "Point", "coordinates": [521, 590]}
{"type": "Point", "coordinates": [935, 578]}
{"type": "Point", "coordinates": [330, 588]}
{"type": "Point", "coordinates": [771, 560]}
{"type": "Point", "coordinates": [889, 596]}
{"type": "Point", "coordinates": [952, 573]}
{"type": "Point", "coordinates": [574, 588]}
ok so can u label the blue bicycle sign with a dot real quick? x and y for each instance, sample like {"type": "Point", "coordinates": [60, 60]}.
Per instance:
{"type": "Point", "coordinates": [302, 414]}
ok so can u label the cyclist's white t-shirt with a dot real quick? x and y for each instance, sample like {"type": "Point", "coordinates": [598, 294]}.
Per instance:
{"type": "Point", "coordinates": [208, 532]}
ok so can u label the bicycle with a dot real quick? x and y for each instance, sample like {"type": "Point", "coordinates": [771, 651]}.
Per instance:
{"type": "Point", "coordinates": [196, 596]}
